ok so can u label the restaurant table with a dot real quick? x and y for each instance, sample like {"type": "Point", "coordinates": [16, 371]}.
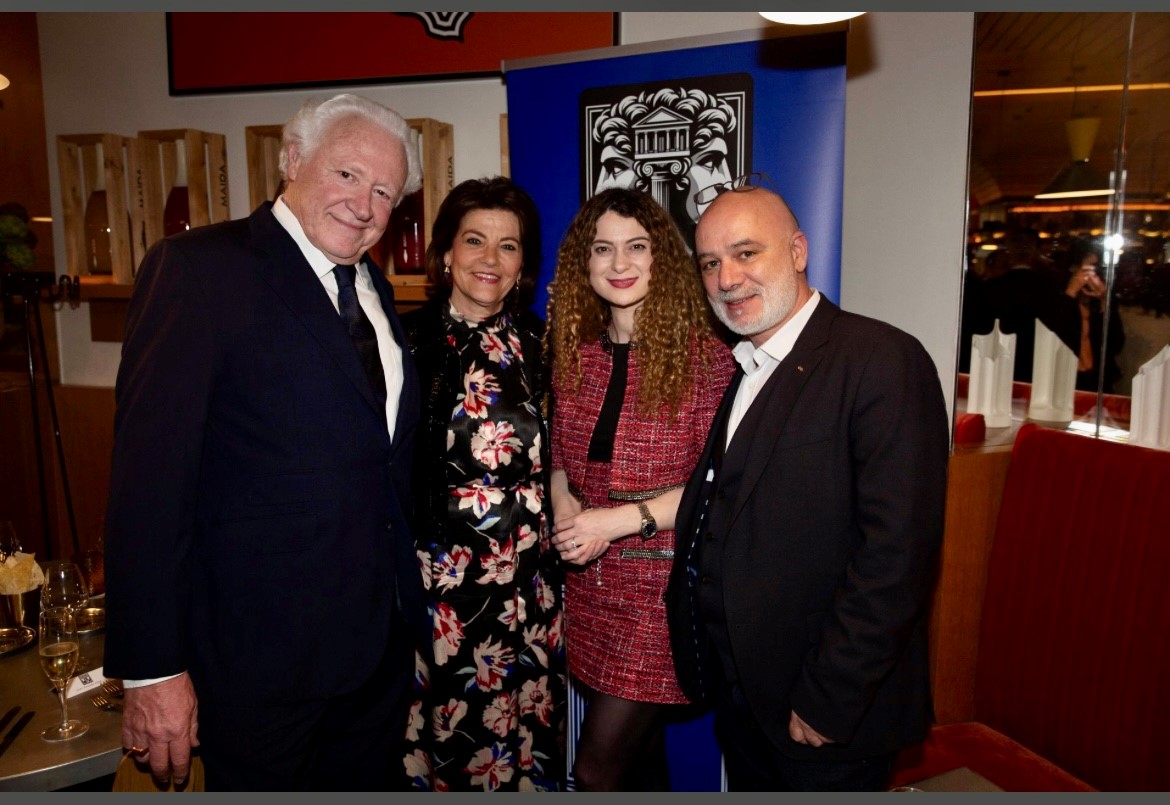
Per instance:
{"type": "Point", "coordinates": [30, 763]}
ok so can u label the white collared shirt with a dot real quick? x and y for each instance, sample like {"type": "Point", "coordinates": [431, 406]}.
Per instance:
{"type": "Point", "coordinates": [388, 349]}
{"type": "Point", "coordinates": [758, 363]}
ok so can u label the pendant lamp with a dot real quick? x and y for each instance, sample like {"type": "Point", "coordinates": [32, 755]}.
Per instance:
{"type": "Point", "coordinates": [1078, 179]}
{"type": "Point", "coordinates": [809, 17]}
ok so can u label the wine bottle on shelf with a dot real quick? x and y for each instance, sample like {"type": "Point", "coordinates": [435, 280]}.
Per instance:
{"type": "Point", "coordinates": [97, 224]}
{"type": "Point", "coordinates": [407, 229]}
{"type": "Point", "coordinates": [177, 210]}
{"type": "Point", "coordinates": [407, 237]}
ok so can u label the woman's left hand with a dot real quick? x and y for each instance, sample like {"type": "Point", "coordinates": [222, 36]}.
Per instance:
{"type": "Point", "coordinates": [585, 536]}
{"type": "Point", "coordinates": [1085, 282]}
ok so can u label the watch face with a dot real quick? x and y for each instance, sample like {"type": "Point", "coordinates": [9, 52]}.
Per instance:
{"type": "Point", "coordinates": [649, 526]}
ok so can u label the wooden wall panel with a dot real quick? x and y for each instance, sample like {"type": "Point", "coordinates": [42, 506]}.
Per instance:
{"type": "Point", "coordinates": [19, 491]}
{"type": "Point", "coordinates": [24, 149]}
{"type": "Point", "coordinates": [86, 420]}
{"type": "Point", "coordinates": [974, 492]}
{"type": "Point", "coordinates": [86, 416]}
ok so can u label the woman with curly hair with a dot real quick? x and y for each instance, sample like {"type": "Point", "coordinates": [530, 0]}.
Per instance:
{"type": "Point", "coordinates": [638, 372]}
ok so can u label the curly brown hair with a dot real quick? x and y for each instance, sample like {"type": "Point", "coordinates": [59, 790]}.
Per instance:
{"type": "Point", "coordinates": [674, 314]}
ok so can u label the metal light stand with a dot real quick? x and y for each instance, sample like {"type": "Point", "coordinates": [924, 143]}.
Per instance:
{"type": "Point", "coordinates": [30, 285]}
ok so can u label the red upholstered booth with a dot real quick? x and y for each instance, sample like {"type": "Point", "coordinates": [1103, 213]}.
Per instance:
{"type": "Point", "coordinates": [1072, 677]}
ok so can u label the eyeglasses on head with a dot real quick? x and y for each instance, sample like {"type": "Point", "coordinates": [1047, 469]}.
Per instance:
{"type": "Point", "coordinates": [740, 184]}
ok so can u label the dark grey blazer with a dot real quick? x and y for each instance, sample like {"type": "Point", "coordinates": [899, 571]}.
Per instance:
{"type": "Point", "coordinates": [831, 544]}
{"type": "Point", "coordinates": [257, 530]}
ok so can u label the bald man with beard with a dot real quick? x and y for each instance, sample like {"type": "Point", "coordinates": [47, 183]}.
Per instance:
{"type": "Point", "coordinates": [809, 532]}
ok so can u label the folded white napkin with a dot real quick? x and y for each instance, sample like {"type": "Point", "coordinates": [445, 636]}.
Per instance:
{"type": "Point", "coordinates": [19, 573]}
{"type": "Point", "coordinates": [1149, 423]}
{"type": "Point", "coordinates": [989, 391]}
{"type": "Point", "coordinates": [1054, 378]}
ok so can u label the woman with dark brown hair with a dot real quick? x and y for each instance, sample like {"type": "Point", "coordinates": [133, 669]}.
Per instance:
{"type": "Point", "coordinates": [491, 710]}
{"type": "Point", "coordinates": [638, 372]}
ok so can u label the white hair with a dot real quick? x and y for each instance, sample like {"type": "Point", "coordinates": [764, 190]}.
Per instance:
{"type": "Point", "coordinates": [306, 127]}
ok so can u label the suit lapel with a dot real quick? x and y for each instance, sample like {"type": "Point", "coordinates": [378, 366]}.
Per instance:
{"type": "Point", "coordinates": [292, 281]}
{"type": "Point", "coordinates": [718, 447]}
{"type": "Point", "coordinates": [692, 508]}
{"type": "Point", "coordinates": [778, 397]}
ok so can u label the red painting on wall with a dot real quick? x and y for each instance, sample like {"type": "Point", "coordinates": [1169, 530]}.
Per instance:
{"type": "Point", "coordinates": [240, 51]}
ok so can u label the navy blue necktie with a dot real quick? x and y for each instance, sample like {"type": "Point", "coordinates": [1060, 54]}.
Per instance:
{"type": "Point", "coordinates": [361, 331]}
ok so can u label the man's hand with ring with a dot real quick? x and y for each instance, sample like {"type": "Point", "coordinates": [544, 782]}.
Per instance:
{"type": "Point", "coordinates": [160, 724]}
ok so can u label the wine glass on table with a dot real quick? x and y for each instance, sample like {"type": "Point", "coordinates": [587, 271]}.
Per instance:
{"type": "Point", "coordinates": [60, 649]}
{"type": "Point", "coordinates": [65, 586]}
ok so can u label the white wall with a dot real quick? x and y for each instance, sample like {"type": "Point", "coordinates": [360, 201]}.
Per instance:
{"type": "Point", "coordinates": [905, 164]}
{"type": "Point", "coordinates": [907, 110]}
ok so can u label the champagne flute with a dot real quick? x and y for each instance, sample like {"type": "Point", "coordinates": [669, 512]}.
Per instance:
{"type": "Point", "coordinates": [65, 586]}
{"type": "Point", "coordinates": [59, 649]}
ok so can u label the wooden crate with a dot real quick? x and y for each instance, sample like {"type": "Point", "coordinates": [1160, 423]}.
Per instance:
{"type": "Point", "coordinates": [505, 156]}
{"type": "Point", "coordinates": [410, 291]}
{"type": "Point", "coordinates": [263, 149]}
{"type": "Point", "coordinates": [437, 143]}
{"type": "Point", "coordinates": [79, 170]}
{"type": "Point", "coordinates": [207, 177]}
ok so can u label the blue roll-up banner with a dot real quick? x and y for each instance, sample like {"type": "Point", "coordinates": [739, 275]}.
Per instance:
{"type": "Point", "coordinates": [673, 117]}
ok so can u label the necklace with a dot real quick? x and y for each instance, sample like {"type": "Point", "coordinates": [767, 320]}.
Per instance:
{"type": "Point", "coordinates": [608, 343]}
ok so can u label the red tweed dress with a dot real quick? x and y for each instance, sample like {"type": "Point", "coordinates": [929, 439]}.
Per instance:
{"type": "Point", "coordinates": [615, 617]}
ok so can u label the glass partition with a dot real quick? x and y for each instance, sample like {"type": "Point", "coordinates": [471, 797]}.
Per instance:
{"type": "Point", "coordinates": [1069, 211]}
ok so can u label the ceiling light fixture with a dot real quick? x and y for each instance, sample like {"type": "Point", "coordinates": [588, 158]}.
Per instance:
{"type": "Point", "coordinates": [809, 17]}
{"type": "Point", "coordinates": [1090, 207]}
{"type": "Point", "coordinates": [4, 82]}
{"type": "Point", "coordinates": [1078, 178]}
{"type": "Point", "coordinates": [992, 93]}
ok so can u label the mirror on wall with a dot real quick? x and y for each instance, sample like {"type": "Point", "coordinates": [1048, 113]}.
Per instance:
{"type": "Point", "coordinates": [1069, 209]}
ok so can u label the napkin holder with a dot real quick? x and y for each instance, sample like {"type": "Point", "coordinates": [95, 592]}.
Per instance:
{"type": "Point", "coordinates": [989, 391]}
{"type": "Point", "coordinates": [16, 608]}
{"type": "Point", "coordinates": [1150, 416]}
{"type": "Point", "coordinates": [1054, 379]}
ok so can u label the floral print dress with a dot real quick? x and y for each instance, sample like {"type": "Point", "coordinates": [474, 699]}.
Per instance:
{"type": "Point", "coordinates": [490, 713]}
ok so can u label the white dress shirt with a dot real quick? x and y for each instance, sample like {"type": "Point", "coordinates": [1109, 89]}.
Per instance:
{"type": "Point", "coordinates": [388, 349]}
{"type": "Point", "coordinates": [758, 363]}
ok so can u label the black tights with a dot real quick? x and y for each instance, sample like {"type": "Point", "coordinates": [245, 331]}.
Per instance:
{"type": "Point", "coordinates": [621, 746]}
